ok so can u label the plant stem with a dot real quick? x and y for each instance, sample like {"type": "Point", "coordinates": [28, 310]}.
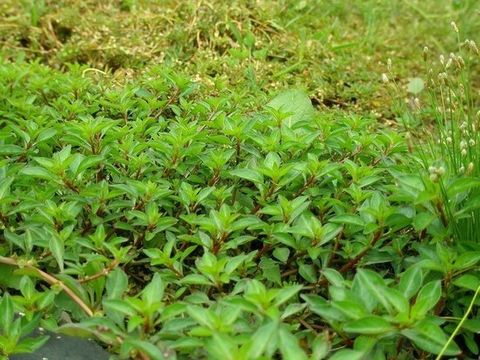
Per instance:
{"type": "Point", "coordinates": [459, 326]}
{"type": "Point", "coordinates": [52, 280]}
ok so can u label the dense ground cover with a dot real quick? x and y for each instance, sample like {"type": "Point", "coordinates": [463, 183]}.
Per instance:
{"type": "Point", "coordinates": [237, 182]}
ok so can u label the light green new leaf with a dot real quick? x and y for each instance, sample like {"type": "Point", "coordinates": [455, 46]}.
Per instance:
{"type": "Point", "coordinates": [296, 103]}
{"type": "Point", "coordinates": [415, 86]}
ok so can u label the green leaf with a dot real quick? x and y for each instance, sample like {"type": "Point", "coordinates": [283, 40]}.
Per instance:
{"type": "Point", "coordinates": [248, 174]}
{"type": "Point", "coordinates": [429, 337]}
{"type": "Point", "coordinates": [373, 284]}
{"type": "Point", "coordinates": [281, 253]}
{"type": "Point", "coordinates": [370, 325]}
{"type": "Point", "coordinates": [153, 292]}
{"type": "Point", "coordinates": [461, 185]}
{"type": "Point", "coordinates": [57, 248]}
{"type": "Point", "coordinates": [270, 270]}
{"type": "Point", "coordinates": [320, 306]}
{"type": "Point", "coordinates": [308, 272]}
{"type": "Point", "coordinates": [348, 219]}
{"type": "Point", "coordinates": [294, 102]}
{"type": "Point", "coordinates": [426, 299]}
{"type": "Point", "coordinates": [5, 186]}
{"type": "Point", "coordinates": [119, 305]}
{"type": "Point", "coordinates": [46, 134]}
{"type": "Point", "coordinates": [29, 345]}
{"type": "Point", "coordinates": [351, 309]}
{"type": "Point", "coordinates": [286, 293]}
{"type": "Point", "coordinates": [37, 171]}
{"type": "Point", "coordinates": [10, 149]}
{"type": "Point", "coordinates": [289, 346]}
{"type": "Point", "coordinates": [117, 283]}
{"type": "Point", "coordinates": [320, 347]}
{"type": "Point", "coordinates": [466, 260]}
{"type": "Point", "coordinates": [147, 348]}
{"type": "Point", "coordinates": [347, 354]}
{"type": "Point", "coordinates": [6, 313]}
{"type": "Point", "coordinates": [197, 279]}
{"type": "Point", "coordinates": [411, 281]}
{"type": "Point", "coordinates": [262, 338]}
{"type": "Point", "coordinates": [221, 346]}
{"type": "Point", "coordinates": [423, 220]}
{"type": "Point", "coordinates": [201, 316]}
{"type": "Point", "coordinates": [467, 281]}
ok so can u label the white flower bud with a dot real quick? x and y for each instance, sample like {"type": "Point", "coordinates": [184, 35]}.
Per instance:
{"type": "Point", "coordinates": [385, 78]}
{"type": "Point", "coordinates": [464, 152]}
{"type": "Point", "coordinates": [441, 171]}
{"type": "Point", "coordinates": [471, 142]}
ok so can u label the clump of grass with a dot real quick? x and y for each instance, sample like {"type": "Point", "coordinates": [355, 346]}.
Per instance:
{"type": "Point", "coordinates": [444, 104]}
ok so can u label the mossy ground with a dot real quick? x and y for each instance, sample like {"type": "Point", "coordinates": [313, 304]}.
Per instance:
{"type": "Point", "coordinates": [336, 50]}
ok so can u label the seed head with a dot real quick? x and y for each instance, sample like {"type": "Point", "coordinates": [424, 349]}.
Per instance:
{"type": "Point", "coordinates": [416, 103]}
{"type": "Point", "coordinates": [464, 152]}
{"type": "Point", "coordinates": [470, 168]}
{"type": "Point", "coordinates": [473, 46]}
{"type": "Point", "coordinates": [454, 26]}
{"type": "Point", "coordinates": [425, 53]}
{"type": "Point", "coordinates": [434, 177]}
{"type": "Point", "coordinates": [384, 78]}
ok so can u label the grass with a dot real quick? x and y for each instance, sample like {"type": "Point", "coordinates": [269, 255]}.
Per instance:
{"type": "Point", "coordinates": [201, 180]}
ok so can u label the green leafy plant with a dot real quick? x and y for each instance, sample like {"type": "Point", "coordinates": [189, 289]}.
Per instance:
{"type": "Point", "coordinates": [191, 214]}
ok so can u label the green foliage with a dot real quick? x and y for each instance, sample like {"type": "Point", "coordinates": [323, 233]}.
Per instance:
{"type": "Point", "coordinates": [182, 235]}
{"type": "Point", "coordinates": [172, 218]}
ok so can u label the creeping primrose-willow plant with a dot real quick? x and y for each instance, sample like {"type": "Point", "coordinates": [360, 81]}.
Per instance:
{"type": "Point", "coordinates": [168, 221]}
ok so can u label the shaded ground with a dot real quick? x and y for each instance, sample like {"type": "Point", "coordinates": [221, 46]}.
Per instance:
{"type": "Point", "coordinates": [61, 347]}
